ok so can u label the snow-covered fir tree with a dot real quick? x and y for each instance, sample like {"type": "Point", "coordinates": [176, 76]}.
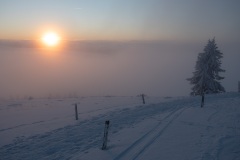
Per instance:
{"type": "Point", "coordinates": [206, 78]}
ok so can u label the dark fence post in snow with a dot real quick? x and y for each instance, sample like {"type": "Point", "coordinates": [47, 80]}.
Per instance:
{"type": "Point", "coordinates": [239, 86]}
{"type": "Point", "coordinates": [76, 112]}
{"type": "Point", "coordinates": [105, 136]}
{"type": "Point", "coordinates": [143, 98]}
{"type": "Point", "coordinates": [202, 103]}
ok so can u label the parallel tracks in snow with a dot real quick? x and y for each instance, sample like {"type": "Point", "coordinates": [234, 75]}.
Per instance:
{"type": "Point", "coordinates": [140, 145]}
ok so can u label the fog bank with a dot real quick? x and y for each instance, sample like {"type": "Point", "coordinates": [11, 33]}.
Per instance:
{"type": "Point", "coordinates": [105, 68]}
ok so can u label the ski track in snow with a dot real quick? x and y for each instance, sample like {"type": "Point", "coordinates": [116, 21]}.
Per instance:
{"type": "Point", "coordinates": [138, 147]}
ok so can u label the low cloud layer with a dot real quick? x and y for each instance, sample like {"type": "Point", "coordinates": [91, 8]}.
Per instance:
{"type": "Point", "coordinates": [105, 68]}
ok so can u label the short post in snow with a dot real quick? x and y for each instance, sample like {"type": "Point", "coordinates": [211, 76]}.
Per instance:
{"type": "Point", "coordinates": [202, 103]}
{"type": "Point", "coordinates": [76, 112]}
{"type": "Point", "coordinates": [143, 98]}
{"type": "Point", "coordinates": [239, 86]}
{"type": "Point", "coordinates": [105, 136]}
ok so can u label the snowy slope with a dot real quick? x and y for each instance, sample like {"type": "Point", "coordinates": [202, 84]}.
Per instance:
{"type": "Point", "coordinates": [29, 117]}
{"type": "Point", "coordinates": [172, 129]}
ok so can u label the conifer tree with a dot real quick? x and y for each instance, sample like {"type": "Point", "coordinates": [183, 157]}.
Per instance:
{"type": "Point", "coordinates": [206, 78]}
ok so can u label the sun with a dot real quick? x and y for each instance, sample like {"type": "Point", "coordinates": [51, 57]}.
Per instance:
{"type": "Point", "coordinates": [50, 39]}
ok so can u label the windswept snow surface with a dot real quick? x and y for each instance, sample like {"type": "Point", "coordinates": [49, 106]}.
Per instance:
{"type": "Point", "coordinates": [167, 129]}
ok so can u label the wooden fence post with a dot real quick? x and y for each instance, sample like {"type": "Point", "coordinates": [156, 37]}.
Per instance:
{"type": "Point", "coordinates": [76, 112]}
{"type": "Point", "coordinates": [202, 103]}
{"type": "Point", "coordinates": [239, 86]}
{"type": "Point", "coordinates": [105, 136]}
{"type": "Point", "coordinates": [143, 98]}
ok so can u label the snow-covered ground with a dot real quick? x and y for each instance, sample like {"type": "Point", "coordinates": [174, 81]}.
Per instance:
{"type": "Point", "coordinates": [164, 128]}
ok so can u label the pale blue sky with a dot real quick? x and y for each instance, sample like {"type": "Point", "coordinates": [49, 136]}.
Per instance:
{"type": "Point", "coordinates": [189, 20]}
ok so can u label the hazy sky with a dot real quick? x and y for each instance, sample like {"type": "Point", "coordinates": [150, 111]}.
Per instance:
{"type": "Point", "coordinates": [151, 47]}
{"type": "Point", "coordinates": [185, 20]}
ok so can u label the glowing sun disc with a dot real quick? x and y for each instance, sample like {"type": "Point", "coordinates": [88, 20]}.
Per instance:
{"type": "Point", "coordinates": [50, 39]}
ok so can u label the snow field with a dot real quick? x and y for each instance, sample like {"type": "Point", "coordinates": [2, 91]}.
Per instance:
{"type": "Point", "coordinates": [172, 129]}
{"type": "Point", "coordinates": [24, 118]}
